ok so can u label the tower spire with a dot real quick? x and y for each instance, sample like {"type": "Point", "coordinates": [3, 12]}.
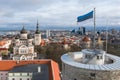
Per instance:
{"type": "Point", "coordinates": [37, 24]}
{"type": "Point", "coordinates": [37, 28]}
{"type": "Point", "coordinates": [37, 35]}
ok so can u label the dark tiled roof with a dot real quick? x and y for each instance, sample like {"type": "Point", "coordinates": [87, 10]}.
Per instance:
{"type": "Point", "coordinates": [53, 68]}
{"type": "Point", "coordinates": [33, 68]}
{"type": "Point", "coordinates": [23, 30]}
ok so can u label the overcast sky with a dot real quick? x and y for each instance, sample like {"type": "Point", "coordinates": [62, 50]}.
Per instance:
{"type": "Point", "coordinates": [58, 12]}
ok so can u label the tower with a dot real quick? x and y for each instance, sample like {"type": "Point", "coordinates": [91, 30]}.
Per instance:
{"type": "Point", "coordinates": [82, 31]}
{"type": "Point", "coordinates": [37, 35]}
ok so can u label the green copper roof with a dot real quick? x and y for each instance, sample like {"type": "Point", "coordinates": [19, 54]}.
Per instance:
{"type": "Point", "coordinates": [23, 30]}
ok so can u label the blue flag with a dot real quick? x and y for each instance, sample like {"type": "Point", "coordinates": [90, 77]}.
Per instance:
{"type": "Point", "coordinates": [85, 17]}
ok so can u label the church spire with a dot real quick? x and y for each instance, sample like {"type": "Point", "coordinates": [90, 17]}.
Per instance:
{"type": "Point", "coordinates": [37, 28]}
{"type": "Point", "coordinates": [37, 24]}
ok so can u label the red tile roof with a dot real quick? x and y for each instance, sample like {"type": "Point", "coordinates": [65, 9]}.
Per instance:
{"type": "Point", "coordinates": [6, 65]}
{"type": "Point", "coordinates": [2, 43]}
{"type": "Point", "coordinates": [56, 70]}
{"type": "Point", "coordinates": [86, 39]}
{"type": "Point", "coordinates": [42, 43]}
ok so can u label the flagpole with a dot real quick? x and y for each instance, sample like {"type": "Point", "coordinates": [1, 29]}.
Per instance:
{"type": "Point", "coordinates": [94, 28]}
{"type": "Point", "coordinates": [106, 35]}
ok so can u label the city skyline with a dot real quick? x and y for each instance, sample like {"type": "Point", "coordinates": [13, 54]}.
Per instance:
{"type": "Point", "coordinates": [57, 13]}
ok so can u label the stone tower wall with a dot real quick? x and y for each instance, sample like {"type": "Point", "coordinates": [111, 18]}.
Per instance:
{"type": "Point", "coordinates": [74, 73]}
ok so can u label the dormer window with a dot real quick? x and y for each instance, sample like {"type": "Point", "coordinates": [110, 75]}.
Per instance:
{"type": "Point", "coordinates": [88, 56]}
{"type": "Point", "coordinates": [99, 57]}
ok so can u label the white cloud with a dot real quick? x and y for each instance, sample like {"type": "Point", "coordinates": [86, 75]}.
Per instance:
{"type": "Point", "coordinates": [57, 12]}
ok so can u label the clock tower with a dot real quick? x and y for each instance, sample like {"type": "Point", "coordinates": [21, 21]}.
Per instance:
{"type": "Point", "coordinates": [37, 35]}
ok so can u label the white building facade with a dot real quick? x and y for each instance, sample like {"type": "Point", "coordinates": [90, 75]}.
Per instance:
{"type": "Point", "coordinates": [19, 76]}
{"type": "Point", "coordinates": [24, 45]}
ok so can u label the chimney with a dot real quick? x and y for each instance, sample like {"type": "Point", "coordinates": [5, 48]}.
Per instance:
{"type": "Point", "coordinates": [39, 69]}
{"type": "Point", "coordinates": [18, 62]}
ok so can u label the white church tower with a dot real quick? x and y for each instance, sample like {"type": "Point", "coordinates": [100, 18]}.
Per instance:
{"type": "Point", "coordinates": [37, 35]}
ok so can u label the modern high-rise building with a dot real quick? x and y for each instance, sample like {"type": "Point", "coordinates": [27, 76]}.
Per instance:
{"type": "Point", "coordinates": [81, 31]}
{"type": "Point", "coordinates": [47, 33]}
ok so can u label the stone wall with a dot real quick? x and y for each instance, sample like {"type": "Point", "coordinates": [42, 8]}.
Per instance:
{"type": "Point", "coordinates": [3, 75]}
{"type": "Point", "coordinates": [74, 73]}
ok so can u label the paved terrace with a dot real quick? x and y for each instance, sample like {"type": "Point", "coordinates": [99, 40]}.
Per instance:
{"type": "Point", "coordinates": [106, 67]}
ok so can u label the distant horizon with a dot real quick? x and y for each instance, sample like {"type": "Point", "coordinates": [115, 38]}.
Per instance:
{"type": "Point", "coordinates": [10, 28]}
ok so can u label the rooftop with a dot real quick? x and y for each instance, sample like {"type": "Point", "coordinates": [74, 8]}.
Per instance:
{"type": "Point", "coordinates": [86, 39]}
{"type": "Point", "coordinates": [115, 65]}
{"type": "Point", "coordinates": [23, 30]}
{"type": "Point", "coordinates": [50, 68]}
{"type": "Point", "coordinates": [92, 51]}
{"type": "Point", "coordinates": [33, 68]}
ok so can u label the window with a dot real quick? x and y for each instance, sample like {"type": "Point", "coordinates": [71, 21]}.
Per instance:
{"type": "Point", "coordinates": [92, 74]}
{"type": "Point", "coordinates": [88, 56]}
{"type": "Point", "coordinates": [97, 57]}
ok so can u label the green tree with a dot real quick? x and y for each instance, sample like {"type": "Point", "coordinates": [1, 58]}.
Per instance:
{"type": "Point", "coordinates": [74, 48]}
{"type": "Point", "coordinates": [112, 48]}
{"type": "Point", "coordinates": [11, 48]}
